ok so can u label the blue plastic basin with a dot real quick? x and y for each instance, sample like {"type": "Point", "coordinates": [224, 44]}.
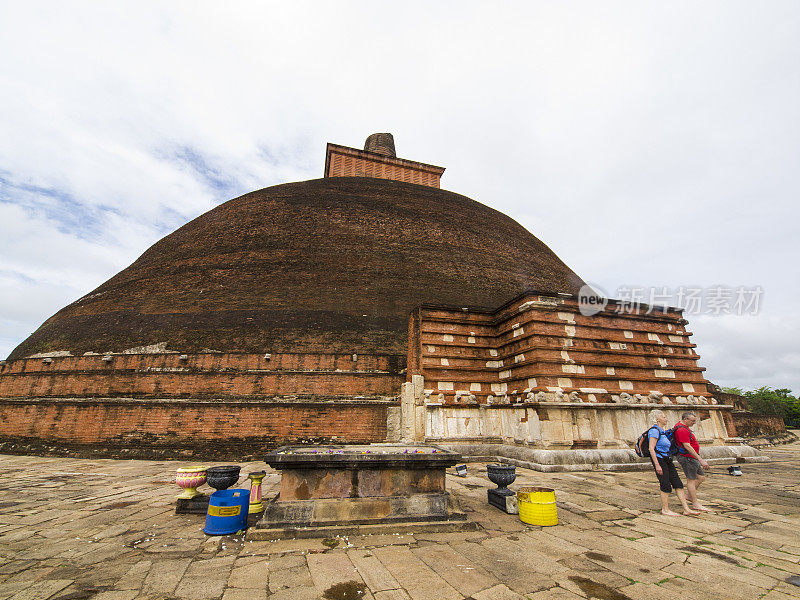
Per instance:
{"type": "Point", "coordinates": [227, 512]}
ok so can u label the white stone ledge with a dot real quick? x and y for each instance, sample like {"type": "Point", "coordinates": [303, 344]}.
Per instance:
{"type": "Point", "coordinates": [605, 459]}
{"type": "Point", "coordinates": [590, 405]}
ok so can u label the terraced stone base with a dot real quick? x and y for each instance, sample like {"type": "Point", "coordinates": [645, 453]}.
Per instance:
{"type": "Point", "coordinates": [332, 511]}
{"type": "Point", "coordinates": [409, 527]}
{"type": "Point", "coordinates": [609, 459]}
{"type": "Point", "coordinates": [323, 517]}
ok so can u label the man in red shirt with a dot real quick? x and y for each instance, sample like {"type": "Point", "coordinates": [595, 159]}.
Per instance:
{"type": "Point", "coordinates": [689, 458]}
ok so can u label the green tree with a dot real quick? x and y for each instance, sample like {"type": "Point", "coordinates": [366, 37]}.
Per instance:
{"type": "Point", "coordinates": [778, 403]}
{"type": "Point", "coordinates": [733, 390]}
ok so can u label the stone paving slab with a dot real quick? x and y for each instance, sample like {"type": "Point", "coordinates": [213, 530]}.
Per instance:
{"type": "Point", "coordinates": [372, 572]}
{"type": "Point", "coordinates": [81, 529]}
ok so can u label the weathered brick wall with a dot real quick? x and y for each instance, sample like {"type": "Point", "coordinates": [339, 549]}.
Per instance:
{"type": "Point", "coordinates": [207, 404]}
{"type": "Point", "coordinates": [121, 427]}
{"type": "Point", "coordinates": [734, 400]}
{"type": "Point", "coordinates": [752, 425]}
{"type": "Point", "coordinates": [730, 425]}
{"type": "Point", "coordinates": [199, 375]}
{"type": "Point", "coordinates": [543, 343]}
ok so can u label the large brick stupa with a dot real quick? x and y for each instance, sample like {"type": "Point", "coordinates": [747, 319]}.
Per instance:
{"type": "Point", "coordinates": [296, 312]}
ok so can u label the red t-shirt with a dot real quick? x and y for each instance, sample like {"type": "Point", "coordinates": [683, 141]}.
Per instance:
{"type": "Point", "coordinates": [684, 434]}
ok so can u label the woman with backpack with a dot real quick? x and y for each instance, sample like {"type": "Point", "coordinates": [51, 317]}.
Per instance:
{"type": "Point", "coordinates": [660, 442]}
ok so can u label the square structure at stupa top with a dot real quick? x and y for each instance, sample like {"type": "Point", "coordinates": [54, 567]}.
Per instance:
{"type": "Point", "coordinates": [378, 160]}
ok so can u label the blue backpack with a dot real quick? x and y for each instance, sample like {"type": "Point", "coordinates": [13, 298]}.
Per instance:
{"type": "Point", "coordinates": [642, 446]}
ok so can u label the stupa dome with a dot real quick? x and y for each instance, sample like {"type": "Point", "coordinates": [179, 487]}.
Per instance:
{"type": "Point", "coordinates": [327, 265]}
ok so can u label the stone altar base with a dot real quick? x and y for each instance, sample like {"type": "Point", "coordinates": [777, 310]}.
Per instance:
{"type": "Point", "coordinates": [195, 506]}
{"type": "Point", "coordinates": [506, 502]}
{"type": "Point", "coordinates": [348, 487]}
{"type": "Point", "coordinates": [267, 528]}
{"type": "Point", "coordinates": [333, 511]}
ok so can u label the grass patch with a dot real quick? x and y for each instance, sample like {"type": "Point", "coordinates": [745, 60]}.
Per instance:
{"type": "Point", "coordinates": [772, 567]}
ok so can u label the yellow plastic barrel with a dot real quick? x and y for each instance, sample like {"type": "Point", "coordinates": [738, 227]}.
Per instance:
{"type": "Point", "coordinates": [537, 506]}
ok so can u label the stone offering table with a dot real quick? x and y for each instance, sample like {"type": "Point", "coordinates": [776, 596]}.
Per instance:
{"type": "Point", "coordinates": [340, 486]}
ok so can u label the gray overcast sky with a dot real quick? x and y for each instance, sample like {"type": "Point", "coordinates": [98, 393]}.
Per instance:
{"type": "Point", "coordinates": [650, 144]}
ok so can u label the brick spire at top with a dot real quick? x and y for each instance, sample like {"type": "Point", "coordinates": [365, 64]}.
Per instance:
{"type": "Point", "coordinates": [381, 143]}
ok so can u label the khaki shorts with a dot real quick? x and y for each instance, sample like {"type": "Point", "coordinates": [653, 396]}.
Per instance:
{"type": "Point", "coordinates": [691, 466]}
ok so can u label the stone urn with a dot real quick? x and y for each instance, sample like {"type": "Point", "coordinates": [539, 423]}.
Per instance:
{"type": "Point", "coordinates": [190, 478]}
{"type": "Point", "coordinates": [221, 478]}
{"type": "Point", "coordinates": [502, 476]}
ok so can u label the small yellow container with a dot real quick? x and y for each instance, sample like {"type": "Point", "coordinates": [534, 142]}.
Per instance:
{"type": "Point", "coordinates": [537, 506]}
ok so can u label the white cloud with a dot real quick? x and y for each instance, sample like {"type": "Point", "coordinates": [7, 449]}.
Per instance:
{"type": "Point", "coordinates": [647, 143]}
{"type": "Point", "coordinates": [750, 351]}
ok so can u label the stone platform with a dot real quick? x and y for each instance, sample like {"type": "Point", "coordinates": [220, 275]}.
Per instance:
{"type": "Point", "coordinates": [106, 530]}
{"type": "Point", "coordinates": [345, 486]}
{"type": "Point", "coordinates": [605, 459]}
{"type": "Point", "coordinates": [563, 436]}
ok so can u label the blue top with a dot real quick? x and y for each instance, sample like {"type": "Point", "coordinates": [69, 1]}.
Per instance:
{"type": "Point", "coordinates": [663, 443]}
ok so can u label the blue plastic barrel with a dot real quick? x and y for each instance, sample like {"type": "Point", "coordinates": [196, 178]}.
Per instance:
{"type": "Point", "coordinates": [227, 512]}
